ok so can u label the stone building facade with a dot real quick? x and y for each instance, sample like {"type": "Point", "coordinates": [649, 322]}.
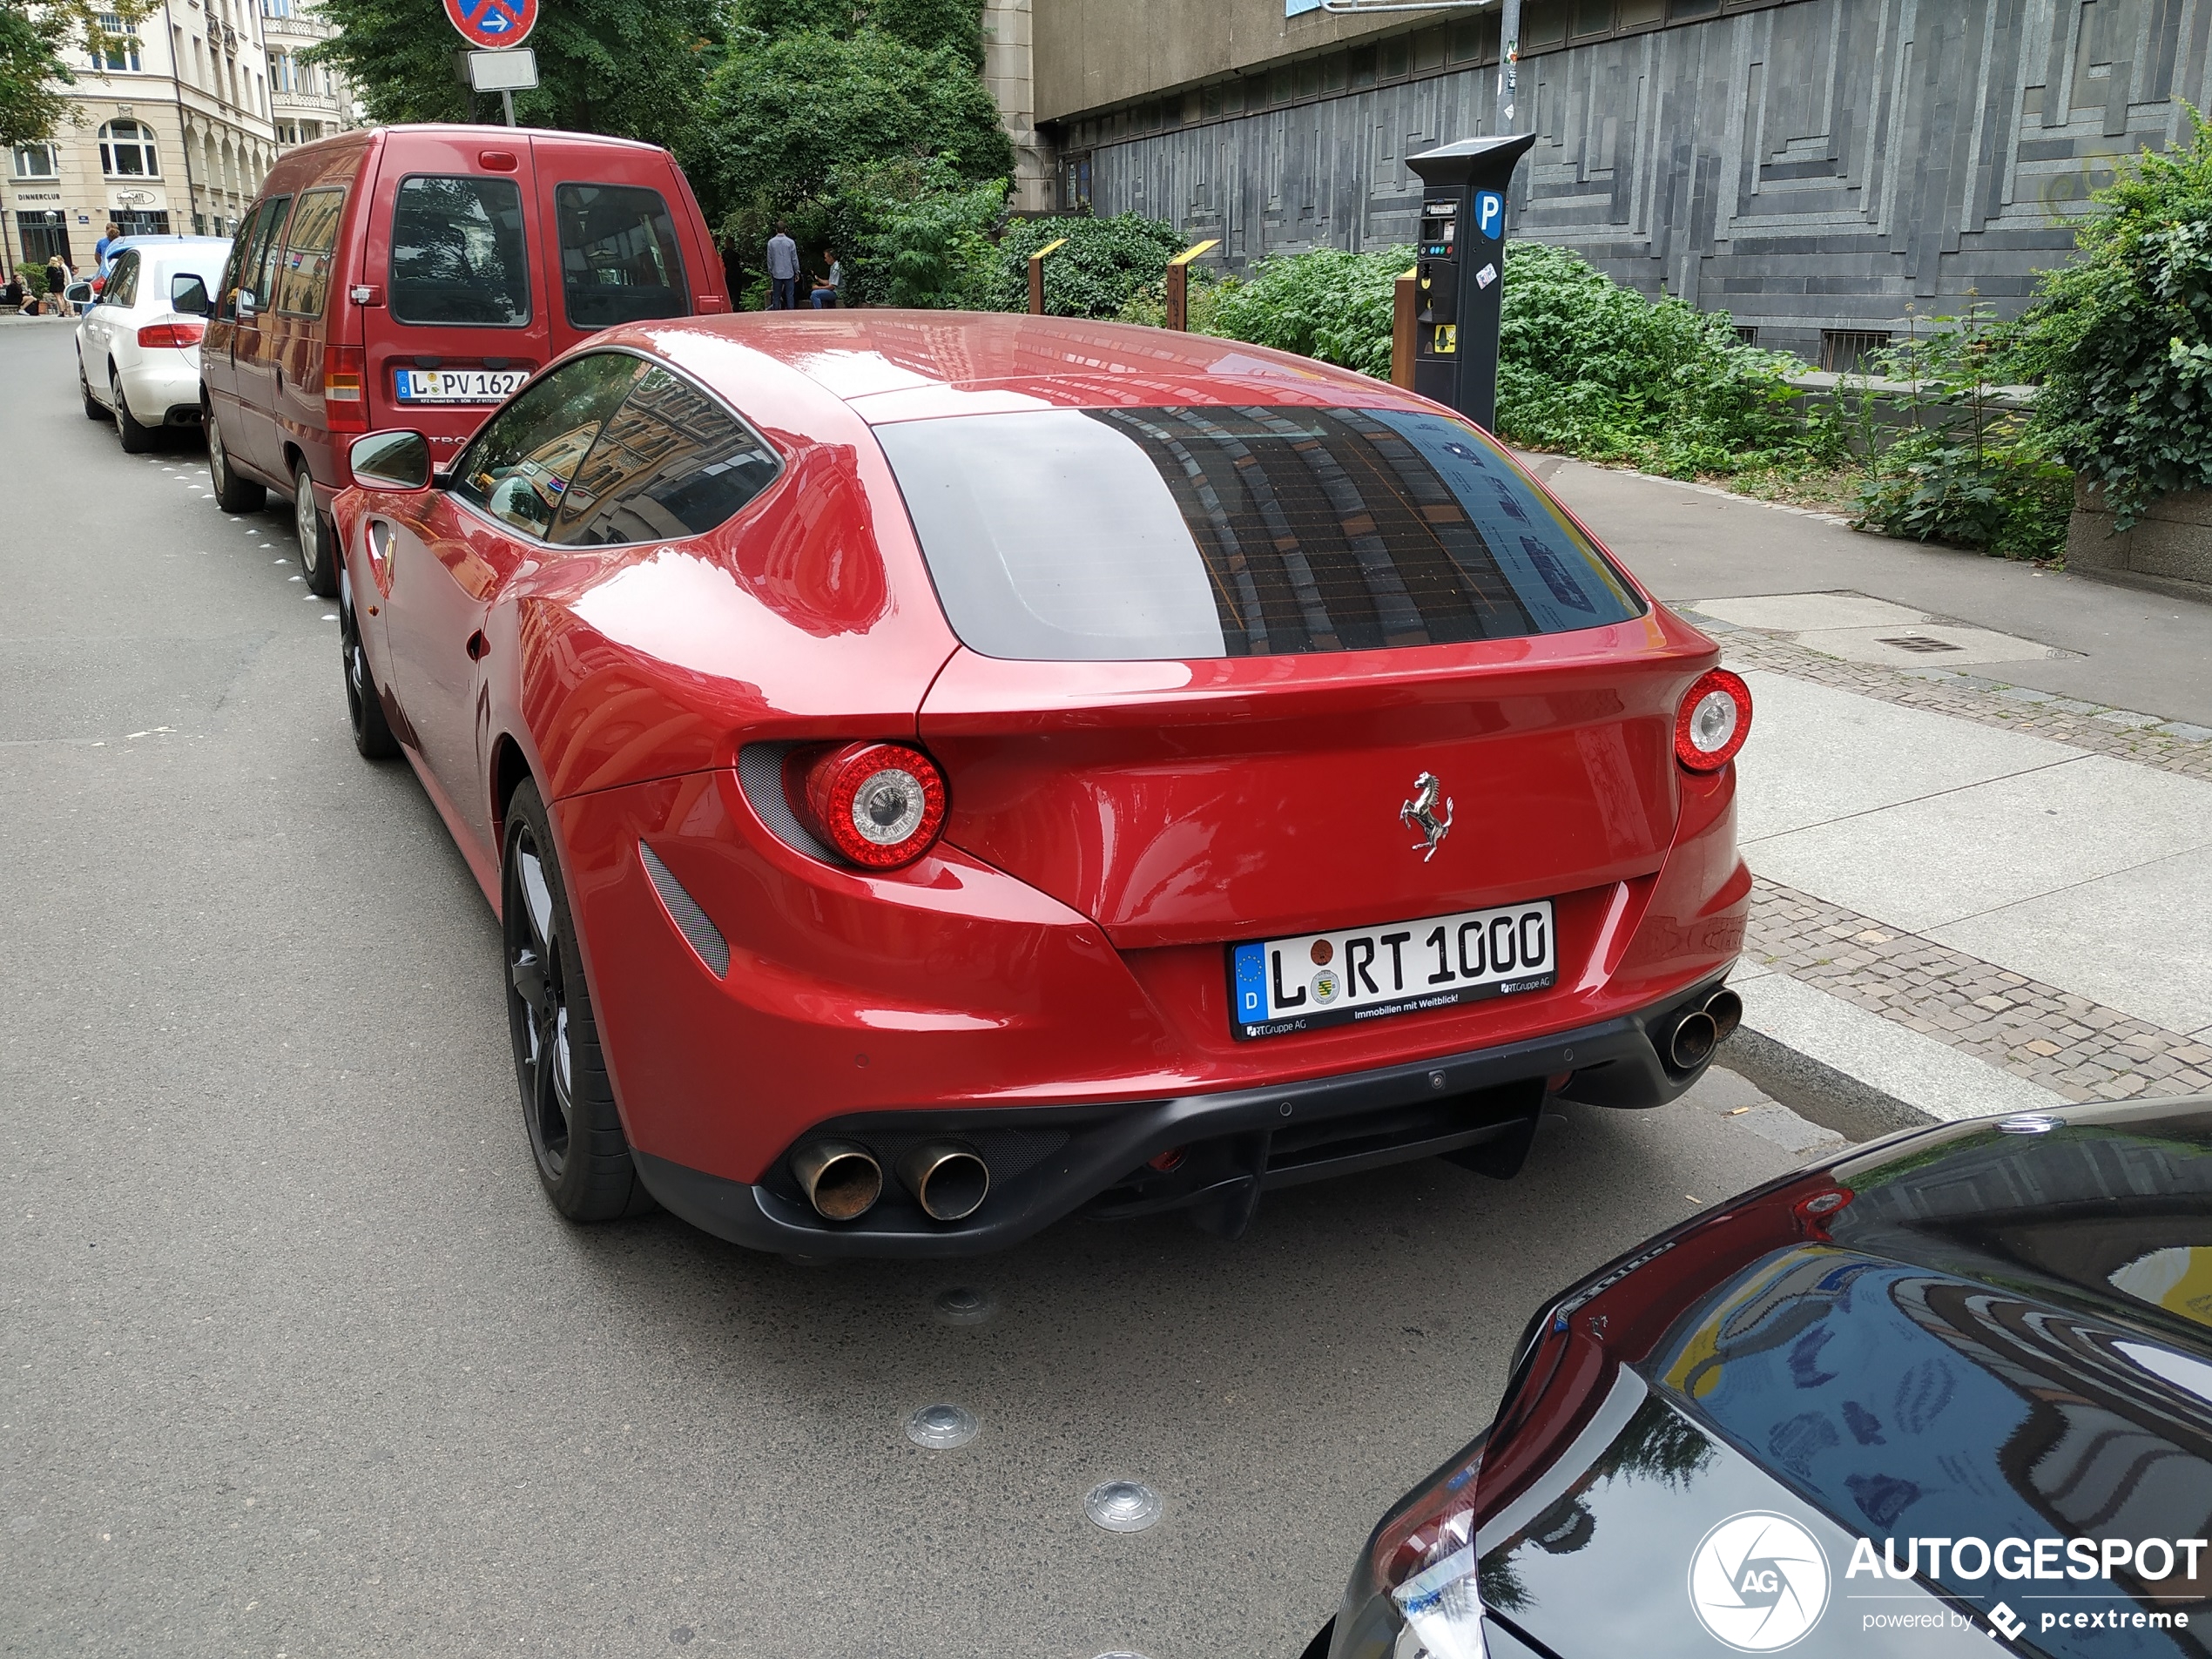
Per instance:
{"type": "Point", "coordinates": [1827, 170]}
{"type": "Point", "coordinates": [307, 101]}
{"type": "Point", "coordinates": [172, 130]}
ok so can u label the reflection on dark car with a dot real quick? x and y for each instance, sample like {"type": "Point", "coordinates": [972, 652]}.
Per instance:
{"type": "Point", "coordinates": [1955, 1386]}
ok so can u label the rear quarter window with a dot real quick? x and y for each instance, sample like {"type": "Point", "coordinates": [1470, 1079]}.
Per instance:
{"type": "Point", "coordinates": [1074, 534]}
{"type": "Point", "coordinates": [459, 254]}
{"type": "Point", "coordinates": [620, 261]}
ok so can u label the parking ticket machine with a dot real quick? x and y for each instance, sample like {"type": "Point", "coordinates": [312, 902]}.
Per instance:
{"type": "Point", "coordinates": [1459, 270]}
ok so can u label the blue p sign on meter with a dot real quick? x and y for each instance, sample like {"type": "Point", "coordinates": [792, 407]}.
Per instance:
{"type": "Point", "coordinates": [1489, 214]}
{"type": "Point", "coordinates": [493, 25]}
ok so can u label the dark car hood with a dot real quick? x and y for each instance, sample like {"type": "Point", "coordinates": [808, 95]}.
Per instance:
{"type": "Point", "coordinates": [1969, 1333]}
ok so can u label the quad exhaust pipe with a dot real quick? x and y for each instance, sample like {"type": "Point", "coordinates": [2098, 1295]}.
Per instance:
{"type": "Point", "coordinates": [947, 1178]}
{"type": "Point", "coordinates": [841, 1181]}
{"type": "Point", "coordinates": [1697, 1033]}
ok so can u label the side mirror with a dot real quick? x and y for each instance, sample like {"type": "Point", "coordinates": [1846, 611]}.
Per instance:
{"type": "Point", "coordinates": [245, 302]}
{"type": "Point", "coordinates": [391, 460]}
{"type": "Point", "coordinates": [188, 294]}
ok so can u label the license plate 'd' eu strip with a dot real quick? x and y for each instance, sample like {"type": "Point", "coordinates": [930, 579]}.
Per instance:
{"type": "Point", "coordinates": [1278, 986]}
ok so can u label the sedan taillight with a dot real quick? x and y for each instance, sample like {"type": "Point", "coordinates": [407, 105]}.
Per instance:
{"type": "Point", "coordinates": [1715, 719]}
{"type": "Point", "coordinates": [176, 336]}
{"type": "Point", "coordinates": [879, 804]}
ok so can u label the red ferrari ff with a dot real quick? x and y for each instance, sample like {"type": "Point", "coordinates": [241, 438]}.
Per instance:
{"type": "Point", "coordinates": [941, 773]}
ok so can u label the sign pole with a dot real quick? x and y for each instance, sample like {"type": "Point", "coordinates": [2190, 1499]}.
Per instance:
{"type": "Point", "coordinates": [507, 102]}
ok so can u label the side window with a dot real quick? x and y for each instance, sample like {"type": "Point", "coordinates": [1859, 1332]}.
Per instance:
{"type": "Point", "coordinates": [262, 263]}
{"type": "Point", "coordinates": [458, 252]}
{"type": "Point", "coordinates": [122, 282]}
{"type": "Point", "coordinates": [234, 269]}
{"type": "Point", "coordinates": [521, 465]}
{"type": "Point", "coordinates": [620, 261]}
{"type": "Point", "coordinates": [303, 275]}
{"type": "Point", "coordinates": [672, 463]}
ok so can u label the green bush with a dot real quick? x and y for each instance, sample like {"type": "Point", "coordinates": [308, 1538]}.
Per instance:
{"type": "Point", "coordinates": [1588, 365]}
{"type": "Point", "coordinates": [1105, 262]}
{"type": "Point", "coordinates": [2122, 339]}
{"type": "Point", "coordinates": [914, 233]}
{"type": "Point", "coordinates": [1327, 304]}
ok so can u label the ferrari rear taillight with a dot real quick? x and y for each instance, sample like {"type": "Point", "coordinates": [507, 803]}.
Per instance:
{"type": "Point", "coordinates": [1713, 721]}
{"type": "Point", "coordinates": [879, 804]}
{"type": "Point", "coordinates": [176, 336]}
{"type": "Point", "coordinates": [344, 409]}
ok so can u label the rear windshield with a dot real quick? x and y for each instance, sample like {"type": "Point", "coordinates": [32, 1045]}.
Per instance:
{"type": "Point", "coordinates": [458, 254]}
{"type": "Point", "coordinates": [1087, 535]}
{"type": "Point", "coordinates": [619, 260]}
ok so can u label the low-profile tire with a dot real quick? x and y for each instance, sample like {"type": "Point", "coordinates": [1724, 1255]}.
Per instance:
{"type": "Point", "coordinates": [94, 409]}
{"type": "Point", "coordinates": [575, 1136]}
{"type": "Point", "coordinates": [364, 705]}
{"type": "Point", "coordinates": [232, 493]}
{"type": "Point", "coordinates": [136, 438]}
{"type": "Point", "coordinates": [318, 544]}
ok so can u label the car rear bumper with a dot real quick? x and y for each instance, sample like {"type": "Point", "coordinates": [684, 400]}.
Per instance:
{"type": "Point", "coordinates": [163, 386]}
{"type": "Point", "coordinates": [1049, 1162]}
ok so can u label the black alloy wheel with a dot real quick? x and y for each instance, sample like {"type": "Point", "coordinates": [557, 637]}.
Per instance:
{"type": "Point", "coordinates": [364, 705]}
{"type": "Point", "coordinates": [232, 493]}
{"type": "Point", "coordinates": [318, 555]}
{"type": "Point", "coordinates": [569, 1112]}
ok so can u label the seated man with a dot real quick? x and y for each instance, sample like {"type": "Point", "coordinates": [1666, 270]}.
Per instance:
{"type": "Point", "coordinates": [830, 290]}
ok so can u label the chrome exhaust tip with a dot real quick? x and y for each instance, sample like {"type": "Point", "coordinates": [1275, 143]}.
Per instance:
{"type": "Point", "coordinates": [1692, 1046]}
{"type": "Point", "coordinates": [1725, 1009]}
{"type": "Point", "coordinates": [841, 1181]}
{"type": "Point", "coordinates": [947, 1178]}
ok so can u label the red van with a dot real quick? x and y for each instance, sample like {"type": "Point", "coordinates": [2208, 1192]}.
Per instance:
{"type": "Point", "coordinates": [415, 276]}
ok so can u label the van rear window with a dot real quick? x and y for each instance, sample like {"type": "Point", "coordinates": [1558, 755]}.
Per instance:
{"type": "Point", "coordinates": [1086, 535]}
{"type": "Point", "coordinates": [458, 252]}
{"type": "Point", "coordinates": [619, 257]}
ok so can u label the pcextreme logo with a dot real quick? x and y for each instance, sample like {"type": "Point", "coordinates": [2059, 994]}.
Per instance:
{"type": "Point", "coordinates": [1758, 1582]}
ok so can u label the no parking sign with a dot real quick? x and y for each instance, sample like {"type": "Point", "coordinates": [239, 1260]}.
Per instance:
{"type": "Point", "coordinates": [493, 25]}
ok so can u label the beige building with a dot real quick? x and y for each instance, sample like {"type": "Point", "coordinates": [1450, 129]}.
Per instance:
{"type": "Point", "coordinates": [173, 131]}
{"type": "Point", "coordinates": [307, 101]}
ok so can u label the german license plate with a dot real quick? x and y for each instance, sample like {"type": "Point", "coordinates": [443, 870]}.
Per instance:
{"type": "Point", "coordinates": [1278, 986]}
{"type": "Point", "coordinates": [458, 385]}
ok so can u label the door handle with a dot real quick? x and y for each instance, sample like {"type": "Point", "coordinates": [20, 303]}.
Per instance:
{"type": "Point", "coordinates": [478, 646]}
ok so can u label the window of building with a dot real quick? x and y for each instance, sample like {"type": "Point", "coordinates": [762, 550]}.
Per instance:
{"type": "Point", "coordinates": [34, 161]}
{"type": "Point", "coordinates": [42, 235]}
{"type": "Point", "coordinates": [120, 52]}
{"type": "Point", "coordinates": [141, 221]}
{"type": "Point", "coordinates": [276, 8]}
{"type": "Point", "coordinates": [127, 151]}
{"type": "Point", "coordinates": [1846, 351]}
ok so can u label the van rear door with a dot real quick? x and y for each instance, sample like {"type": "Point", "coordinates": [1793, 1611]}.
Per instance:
{"type": "Point", "coordinates": [464, 320]}
{"type": "Point", "coordinates": [623, 240]}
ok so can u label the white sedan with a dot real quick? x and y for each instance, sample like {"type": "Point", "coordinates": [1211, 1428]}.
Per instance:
{"type": "Point", "coordinates": [138, 349]}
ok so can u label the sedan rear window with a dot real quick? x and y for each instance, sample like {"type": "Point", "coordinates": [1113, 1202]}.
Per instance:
{"type": "Point", "coordinates": [458, 254]}
{"type": "Point", "coordinates": [1089, 535]}
{"type": "Point", "coordinates": [619, 258]}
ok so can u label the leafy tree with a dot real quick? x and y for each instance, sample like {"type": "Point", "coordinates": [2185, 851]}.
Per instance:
{"type": "Point", "coordinates": [925, 25]}
{"type": "Point", "coordinates": [33, 36]}
{"type": "Point", "coordinates": [783, 114]}
{"type": "Point", "coordinates": [913, 232]}
{"type": "Point", "coordinates": [1106, 263]}
{"type": "Point", "coordinates": [603, 65]}
{"type": "Point", "coordinates": [2122, 339]}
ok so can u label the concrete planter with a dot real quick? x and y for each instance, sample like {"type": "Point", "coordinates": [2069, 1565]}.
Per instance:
{"type": "Point", "coordinates": [2170, 549]}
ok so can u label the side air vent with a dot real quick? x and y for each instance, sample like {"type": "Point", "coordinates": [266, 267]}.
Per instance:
{"type": "Point", "coordinates": [684, 910]}
{"type": "Point", "coordinates": [761, 774]}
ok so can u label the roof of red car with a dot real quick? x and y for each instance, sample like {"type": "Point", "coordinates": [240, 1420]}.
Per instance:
{"type": "Point", "coordinates": [908, 365]}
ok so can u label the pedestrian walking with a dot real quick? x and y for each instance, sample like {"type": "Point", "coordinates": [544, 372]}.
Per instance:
{"type": "Point", "coordinates": [829, 291]}
{"type": "Point", "coordinates": [59, 277]}
{"type": "Point", "coordinates": [783, 272]}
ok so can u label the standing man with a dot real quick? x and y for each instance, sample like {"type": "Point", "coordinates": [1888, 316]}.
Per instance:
{"type": "Point", "coordinates": [99, 249]}
{"type": "Point", "coordinates": [783, 272]}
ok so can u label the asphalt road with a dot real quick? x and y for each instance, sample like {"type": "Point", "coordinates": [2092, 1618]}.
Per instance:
{"type": "Point", "coordinates": [297, 1361]}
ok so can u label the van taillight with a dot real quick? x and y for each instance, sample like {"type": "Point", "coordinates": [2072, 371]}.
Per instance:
{"type": "Point", "coordinates": [344, 368]}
